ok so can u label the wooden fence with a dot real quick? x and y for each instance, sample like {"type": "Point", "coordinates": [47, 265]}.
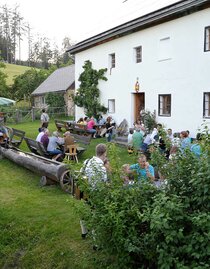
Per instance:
{"type": "Point", "coordinates": [17, 115]}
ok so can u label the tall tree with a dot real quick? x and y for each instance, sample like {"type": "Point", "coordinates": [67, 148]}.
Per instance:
{"type": "Point", "coordinates": [88, 94]}
{"type": "Point", "coordinates": [46, 53]}
{"type": "Point", "coordinates": [3, 86]}
{"type": "Point", "coordinates": [67, 58]}
{"type": "Point", "coordinates": [6, 31]}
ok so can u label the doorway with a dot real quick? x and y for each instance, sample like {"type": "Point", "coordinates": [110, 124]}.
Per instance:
{"type": "Point", "coordinates": [139, 104]}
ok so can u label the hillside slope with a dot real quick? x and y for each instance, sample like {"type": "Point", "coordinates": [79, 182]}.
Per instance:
{"type": "Point", "coordinates": [13, 70]}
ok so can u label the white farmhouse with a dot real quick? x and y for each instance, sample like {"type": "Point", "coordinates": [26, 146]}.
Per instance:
{"type": "Point", "coordinates": [168, 53]}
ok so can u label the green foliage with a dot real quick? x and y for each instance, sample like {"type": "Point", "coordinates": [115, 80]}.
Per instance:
{"type": "Point", "coordinates": [143, 226]}
{"type": "Point", "coordinates": [55, 99]}
{"type": "Point", "coordinates": [3, 86]}
{"type": "Point", "coordinates": [26, 83]}
{"type": "Point", "coordinates": [88, 94]}
{"type": "Point", "coordinates": [149, 120]}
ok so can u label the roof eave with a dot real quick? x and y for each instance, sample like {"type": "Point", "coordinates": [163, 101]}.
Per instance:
{"type": "Point", "coordinates": [165, 14]}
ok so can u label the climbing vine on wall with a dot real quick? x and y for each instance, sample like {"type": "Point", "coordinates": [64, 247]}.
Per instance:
{"type": "Point", "coordinates": [88, 93]}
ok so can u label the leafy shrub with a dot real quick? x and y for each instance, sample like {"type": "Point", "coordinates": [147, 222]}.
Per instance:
{"type": "Point", "coordinates": [149, 119]}
{"type": "Point", "coordinates": [147, 227]}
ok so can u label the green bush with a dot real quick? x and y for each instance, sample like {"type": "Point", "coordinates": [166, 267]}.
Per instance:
{"type": "Point", "coordinates": [143, 226]}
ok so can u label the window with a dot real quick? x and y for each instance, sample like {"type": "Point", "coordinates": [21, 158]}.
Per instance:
{"type": "Point", "coordinates": [112, 60]}
{"type": "Point", "coordinates": [138, 54]}
{"type": "Point", "coordinates": [164, 105]}
{"type": "Point", "coordinates": [111, 105]}
{"type": "Point", "coordinates": [206, 104]}
{"type": "Point", "coordinates": [207, 39]}
{"type": "Point", "coordinates": [164, 52]}
{"type": "Point", "coordinates": [42, 100]}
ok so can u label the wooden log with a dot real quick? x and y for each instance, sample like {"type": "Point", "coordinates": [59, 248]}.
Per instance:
{"type": "Point", "coordinates": [45, 167]}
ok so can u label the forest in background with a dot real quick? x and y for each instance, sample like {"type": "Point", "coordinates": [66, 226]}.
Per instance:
{"type": "Point", "coordinates": [41, 53]}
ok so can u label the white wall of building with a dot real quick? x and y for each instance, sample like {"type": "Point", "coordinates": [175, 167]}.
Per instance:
{"type": "Point", "coordinates": [184, 74]}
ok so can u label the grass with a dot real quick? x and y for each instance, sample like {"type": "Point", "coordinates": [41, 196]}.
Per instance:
{"type": "Point", "coordinates": [39, 226]}
{"type": "Point", "coordinates": [13, 70]}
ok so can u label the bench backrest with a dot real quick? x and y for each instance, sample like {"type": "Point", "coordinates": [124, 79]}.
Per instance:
{"type": "Point", "coordinates": [16, 136]}
{"type": "Point", "coordinates": [80, 126]}
{"type": "Point", "coordinates": [32, 145]}
{"type": "Point", "coordinates": [82, 139]}
{"type": "Point", "coordinates": [80, 129]}
{"type": "Point", "coordinates": [63, 124]}
{"type": "Point", "coordinates": [42, 150]}
{"type": "Point", "coordinates": [37, 147]}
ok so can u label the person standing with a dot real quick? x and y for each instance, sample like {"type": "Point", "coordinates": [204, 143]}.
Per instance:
{"type": "Point", "coordinates": [44, 118]}
{"type": "Point", "coordinates": [137, 140]}
{"type": "Point", "coordinates": [94, 169]}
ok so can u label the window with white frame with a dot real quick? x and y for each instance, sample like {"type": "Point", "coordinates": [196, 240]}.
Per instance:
{"type": "Point", "coordinates": [164, 50]}
{"type": "Point", "coordinates": [138, 54]}
{"type": "Point", "coordinates": [164, 105]}
{"type": "Point", "coordinates": [112, 60]}
{"type": "Point", "coordinates": [206, 105]}
{"type": "Point", "coordinates": [207, 39]}
{"type": "Point", "coordinates": [111, 105]}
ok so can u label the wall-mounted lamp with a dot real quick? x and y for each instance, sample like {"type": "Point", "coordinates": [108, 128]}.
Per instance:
{"type": "Point", "coordinates": [137, 87]}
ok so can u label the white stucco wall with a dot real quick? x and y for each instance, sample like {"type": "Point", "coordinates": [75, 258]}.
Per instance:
{"type": "Point", "coordinates": [186, 75]}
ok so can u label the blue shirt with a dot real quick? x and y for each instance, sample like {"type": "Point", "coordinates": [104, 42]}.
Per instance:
{"type": "Point", "coordinates": [141, 172]}
{"type": "Point", "coordinates": [196, 149]}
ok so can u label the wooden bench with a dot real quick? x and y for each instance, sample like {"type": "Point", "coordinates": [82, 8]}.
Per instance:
{"type": "Point", "coordinates": [121, 141]}
{"type": "Point", "coordinates": [36, 147]}
{"type": "Point", "coordinates": [82, 139]}
{"type": "Point", "coordinates": [79, 129]}
{"type": "Point", "coordinates": [62, 124]}
{"type": "Point", "coordinates": [15, 136]}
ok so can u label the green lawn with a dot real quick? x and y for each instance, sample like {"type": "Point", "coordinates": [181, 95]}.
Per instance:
{"type": "Point", "coordinates": [13, 70]}
{"type": "Point", "coordinates": [39, 226]}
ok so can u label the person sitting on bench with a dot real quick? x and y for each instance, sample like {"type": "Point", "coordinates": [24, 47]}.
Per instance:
{"type": "Point", "coordinates": [4, 135]}
{"type": "Point", "coordinates": [54, 142]}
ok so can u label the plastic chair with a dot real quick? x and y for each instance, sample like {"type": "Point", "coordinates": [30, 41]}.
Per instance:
{"type": "Point", "coordinates": [71, 152]}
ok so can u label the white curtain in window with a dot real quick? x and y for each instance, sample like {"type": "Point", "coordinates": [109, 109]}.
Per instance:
{"type": "Point", "coordinates": [206, 104]}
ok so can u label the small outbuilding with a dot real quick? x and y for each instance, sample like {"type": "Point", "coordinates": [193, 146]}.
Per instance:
{"type": "Point", "coordinates": [60, 81]}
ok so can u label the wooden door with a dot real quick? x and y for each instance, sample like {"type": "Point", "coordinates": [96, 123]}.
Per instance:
{"type": "Point", "coordinates": [139, 104]}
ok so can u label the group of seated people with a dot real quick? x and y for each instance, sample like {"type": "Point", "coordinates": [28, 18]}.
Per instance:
{"type": "Point", "coordinates": [55, 144]}
{"type": "Point", "coordinates": [167, 142]}
{"type": "Point", "coordinates": [99, 128]}
{"type": "Point", "coordinates": [97, 169]}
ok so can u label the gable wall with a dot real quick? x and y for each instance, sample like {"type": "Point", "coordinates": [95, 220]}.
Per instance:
{"type": "Point", "coordinates": [185, 76]}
